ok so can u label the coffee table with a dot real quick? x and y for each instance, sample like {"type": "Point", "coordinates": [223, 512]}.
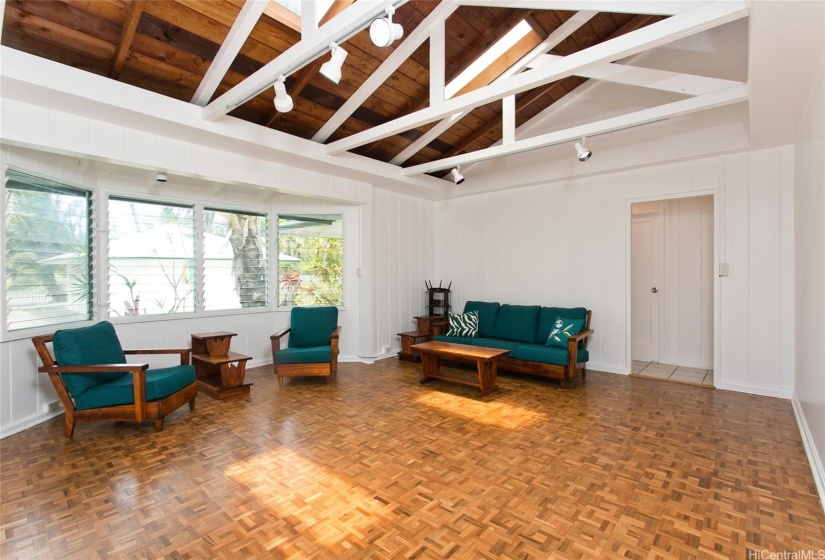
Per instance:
{"type": "Point", "coordinates": [486, 360]}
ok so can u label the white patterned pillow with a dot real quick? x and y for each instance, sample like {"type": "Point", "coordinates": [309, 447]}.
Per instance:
{"type": "Point", "coordinates": [463, 324]}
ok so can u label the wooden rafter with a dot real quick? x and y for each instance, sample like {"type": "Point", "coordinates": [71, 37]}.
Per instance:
{"type": "Point", "coordinates": [281, 14]}
{"type": "Point", "coordinates": [126, 36]}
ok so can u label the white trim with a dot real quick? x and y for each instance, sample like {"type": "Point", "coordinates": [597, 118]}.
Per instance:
{"type": "Point", "coordinates": [753, 389]}
{"type": "Point", "coordinates": [666, 7]}
{"type": "Point", "coordinates": [817, 469]}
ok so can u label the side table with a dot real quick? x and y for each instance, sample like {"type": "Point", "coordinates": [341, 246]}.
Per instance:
{"type": "Point", "coordinates": [220, 372]}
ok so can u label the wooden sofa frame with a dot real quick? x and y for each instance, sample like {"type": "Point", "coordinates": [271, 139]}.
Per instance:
{"type": "Point", "coordinates": [552, 371]}
{"type": "Point", "coordinates": [140, 411]}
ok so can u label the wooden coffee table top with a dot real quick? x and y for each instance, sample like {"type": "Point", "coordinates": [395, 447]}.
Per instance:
{"type": "Point", "coordinates": [460, 350]}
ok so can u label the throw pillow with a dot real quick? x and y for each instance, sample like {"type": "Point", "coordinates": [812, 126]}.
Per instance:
{"type": "Point", "coordinates": [463, 324]}
{"type": "Point", "coordinates": [562, 330]}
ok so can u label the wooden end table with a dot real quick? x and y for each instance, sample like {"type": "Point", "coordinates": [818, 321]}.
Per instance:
{"type": "Point", "coordinates": [486, 360]}
{"type": "Point", "coordinates": [220, 372]}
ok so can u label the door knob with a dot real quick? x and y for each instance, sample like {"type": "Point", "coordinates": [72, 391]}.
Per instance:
{"type": "Point", "coordinates": [654, 290]}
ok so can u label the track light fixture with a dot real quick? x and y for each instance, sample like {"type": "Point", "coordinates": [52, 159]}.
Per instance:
{"type": "Point", "coordinates": [332, 68]}
{"type": "Point", "coordinates": [457, 177]}
{"type": "Point", "coordinates": [283, 101]}
{"type": "Point", "coordinates": [583, 153]}
{"type": "Point", "coordinates": [383, 31]}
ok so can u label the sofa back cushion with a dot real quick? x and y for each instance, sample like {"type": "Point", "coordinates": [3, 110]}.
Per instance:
{"type": "Point", "coordinates": [88, 346]}
{"type": "Point", "coordinates": [312, 326]}
{"type": "Point", "coordinates": [487, 314]}
{"type": "Point", "coordinates": [517, 323]}
{"type": "Point", "coordinates": [548, 316]}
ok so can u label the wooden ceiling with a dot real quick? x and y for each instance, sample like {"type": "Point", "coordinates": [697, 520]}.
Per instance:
{"type": "Point", "coordinates": [167, 46]}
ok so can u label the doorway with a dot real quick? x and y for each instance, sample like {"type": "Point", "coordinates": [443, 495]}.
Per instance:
{"type": "Point", "coordinates": [672, 289]}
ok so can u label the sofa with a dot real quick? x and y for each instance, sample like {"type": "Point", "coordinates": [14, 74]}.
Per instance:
{"type": "Point", "coordinates": [524, 331]}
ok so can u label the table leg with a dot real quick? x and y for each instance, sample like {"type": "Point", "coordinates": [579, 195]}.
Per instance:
{"type": "Point", "coordinates": [430, 363]}
{"type": "Point", "coordinates": [487, 370]}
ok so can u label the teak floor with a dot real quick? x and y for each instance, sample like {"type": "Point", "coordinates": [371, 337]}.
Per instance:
{"type": "Point", "coordinates": [375, 465]}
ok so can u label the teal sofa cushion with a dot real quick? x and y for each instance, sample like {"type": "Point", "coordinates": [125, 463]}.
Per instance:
{"type": "Point", "coordinates": [546, 354]}
{"type": "Point", "coordinates": [477, 341]}
{"type": "Point", "coordinates": [548, 316]}
{"type": "Point", "coordinates": [97, 344]}
{"type": "Point", "coordinates": [463, 324]}
{"type": "Point", "coordinates": [160, 383]}
{"type": "Point", "coordinates": [313, 355]}
{"type": "Point", "coordinates": [487, 314]}
{"type": "Point", "coordinates": [563, 329]}
{"type": "Point", "coordinates": [517, 323]}
{"type": "Point", "coordinates": [312, 326]}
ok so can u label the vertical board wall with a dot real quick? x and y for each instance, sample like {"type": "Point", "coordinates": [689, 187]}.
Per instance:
{"type": "Point", "coordinates": [565, 244]}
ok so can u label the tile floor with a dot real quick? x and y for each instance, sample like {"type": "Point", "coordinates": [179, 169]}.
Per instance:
{"type": "Point", "coordinates": [673, 373]}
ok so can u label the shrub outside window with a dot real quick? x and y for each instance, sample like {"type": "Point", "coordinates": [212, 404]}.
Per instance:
{"type": "Point", "coordinates": [151, 258]}
{"type": "Point", "coordinates": [48, 244]}
{"type": "Point", "coordinates": [235, 266]}
{"type": "Point", "coordinates": [310, 259]}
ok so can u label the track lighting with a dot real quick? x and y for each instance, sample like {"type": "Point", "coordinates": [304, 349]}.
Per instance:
{"type": "Point", "coordinates": [161, 177]}
{"type": "Point", "coordinates": [457, 177]}
{"type": "Point", "coordinates": [283, 102]}
{"type": "Point", "coordinates": [332, 68]}
{"type": "Point", "coordinates": [383, 31]}
{"type": "Point", "coordinates": [583, 153]}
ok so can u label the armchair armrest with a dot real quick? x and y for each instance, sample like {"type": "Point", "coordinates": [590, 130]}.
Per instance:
{"type": "Point", "coordinates": [280, 334]}
{"type": "Point", "coordinates": [185, 353]}
{"type": "Point", "coordinates": [440, 327]}
{"type": "Point", "coordinates": [573, 347]}
{"type": "Point", "coordinates": [97, 368]}
{"type": "Point", "coordinates": [581, 336]}
{"type": "Point", "coordinates": [336, 333]}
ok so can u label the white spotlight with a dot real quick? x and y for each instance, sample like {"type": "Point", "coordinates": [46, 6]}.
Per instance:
{"type": "Point", "coordinates": [383, 31]}
{"type": "Point", "coordinates": [161, 177]}
{"type": "Point", "coordinates": [583, 153]}
{"type": "Point", "coordinates": [283, 102]}
{"type": "Point", "coordinates": [332, 68]}
{"type": "Point", "coordinates": [457, 177]}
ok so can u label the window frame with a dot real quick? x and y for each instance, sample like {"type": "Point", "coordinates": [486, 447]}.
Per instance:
{"type": "Point", "coordinates": [7, 335]}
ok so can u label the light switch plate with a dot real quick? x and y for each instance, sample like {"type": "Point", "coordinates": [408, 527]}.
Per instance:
{"type": "Point", "coordinates": [723, 269]}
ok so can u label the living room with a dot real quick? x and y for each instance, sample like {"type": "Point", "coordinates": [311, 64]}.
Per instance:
{"type": "Point", "coordinates": [536, 227]}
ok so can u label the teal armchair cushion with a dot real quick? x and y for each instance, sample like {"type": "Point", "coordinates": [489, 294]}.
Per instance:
{"type": "Point", "coordinates": [311, 326]}
{"type": "Point", "coordinates": [548, 316]}
{"type": "Point", "coordinates": [160, 383]}
{"type": "Point", "coordinates": [85, 346]}
{"type": "Point", "coordinates": [313, 355]}
{"type": "Point", "coordinates": [546, 354]}
{"type": "Point", "coordinates": [517, 323]}
{"type": "Point", "coordinates": [487, 314]}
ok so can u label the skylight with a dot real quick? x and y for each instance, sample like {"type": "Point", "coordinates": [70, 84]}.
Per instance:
{"type": "Point", "coordinates": [293, 6]}
{"type": "Point", "coordinates": [481, 63]}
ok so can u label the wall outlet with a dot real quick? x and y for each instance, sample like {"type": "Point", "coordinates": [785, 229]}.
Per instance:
{"type": "Point", "coordinates": [385, 349]}
{"type": "Point", "coordinates": [52, 406]}
{"type": "Point", "coordinates": [723, 269]}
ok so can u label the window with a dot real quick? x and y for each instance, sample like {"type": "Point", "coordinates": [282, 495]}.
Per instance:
{"type": "Point", "coordinates": [310, 259]}
{"type": "Point", "coordinates": [151, 264]}
{"type": "Point", "coordinates": [235, 268]}
{"type": "Point", "coordinates": [48, 246]}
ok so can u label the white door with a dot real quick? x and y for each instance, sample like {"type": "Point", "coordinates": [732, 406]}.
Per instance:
{"type": "Point", "coordinates": [645, 247]}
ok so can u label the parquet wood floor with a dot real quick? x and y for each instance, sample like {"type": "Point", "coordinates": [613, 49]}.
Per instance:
{"type": "Point", "coordinates": [375, 465]}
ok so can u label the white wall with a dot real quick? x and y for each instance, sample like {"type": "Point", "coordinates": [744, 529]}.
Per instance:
{"type": "Point", "coordinates": [686, 313]}
{"type": "Point", "coordinates": [25, 393]}
{"type": "Point", "coordinates": [566, 244]}
{"type": "Point", "coordinates": [403, 242]}
{"type": "Point", "coordinates": [809, 390]}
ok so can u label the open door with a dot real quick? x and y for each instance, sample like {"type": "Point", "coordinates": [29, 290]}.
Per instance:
{"type": "Point", "coordinates": [645, 239]}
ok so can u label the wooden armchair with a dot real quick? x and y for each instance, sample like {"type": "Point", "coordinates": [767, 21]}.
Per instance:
{"type": "Point", "coordinates": [313, 344]}
{"type": "Point", "coordinates": [94, 382]}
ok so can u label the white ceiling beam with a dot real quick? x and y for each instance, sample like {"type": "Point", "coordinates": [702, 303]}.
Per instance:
{"type": "Point", "coordinates": [557, 36]}
{"type": "Point", "coordinates": [309, 16]}
{"type": "Point", "coordinates": [662, 80]}
{"type": "Point", "coordinates": [727, 97]}
{"type": "Point", "coordinates": [216, 189]}
{"type": "Point", "coordinates": [508, 119]}
{"type": "Point", "coordinates": [311, 46]}
{"type": "Point", "coordinates": [664, 8]}
{"type": "Point", "coordinates": [247, 18]}
{"type": "Point", "coordinates": [401, 53]}
{"type": "Point", "coordinates": [437, 63]}
{"type": "Point", "coordinates": [701, 18]}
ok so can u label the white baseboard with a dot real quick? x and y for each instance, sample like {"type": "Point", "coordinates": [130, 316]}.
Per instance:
{"type": "Point", "coordinates": [810, 450]}
{"type": "Point", "coordinates": [607, 368]}
{"type": "Point", "coordinates": [755, 390]}
{"type": "Point", "coordinates": [25, 423]}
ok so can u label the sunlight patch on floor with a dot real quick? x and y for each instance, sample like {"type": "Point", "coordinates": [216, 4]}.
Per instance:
{"type": "Point", "coordinates": [492, 413]}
